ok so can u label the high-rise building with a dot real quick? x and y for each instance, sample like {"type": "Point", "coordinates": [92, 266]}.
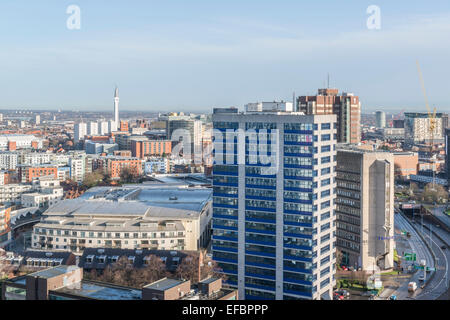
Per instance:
{"type": "Point", "coordinates": [103, 128]}
{"type": "Point", "coordinates": [92, 128]}
{"type": "Point", "coordinates": [365, 208]}
{"type": "Point", "coordinates": [418, 125]}
{"type": "Point", "coordinates": [112, 126]}
{"type": "Point", "coordinates": [380, 119]}
{"type": "Point", "coordinates": [80, 131]}
{"type": "Point", "coordinates": [273, 203]}
{"type": "Point", "coordinates": [37, 119]}
{"type": "Point", "coordinates": [116, 106]}
{"type": "Point", "coordinates": [346, 106]}
{"type": "Point", "coordinates": [398, 124]}
{"type": "Point", "coordinates": [123, 126]}
{"type": "Point", "coordinates": [178, 129]}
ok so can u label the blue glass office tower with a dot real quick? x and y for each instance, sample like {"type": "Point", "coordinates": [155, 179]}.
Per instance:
{"type": "Point", "coordinates": [274, 203]}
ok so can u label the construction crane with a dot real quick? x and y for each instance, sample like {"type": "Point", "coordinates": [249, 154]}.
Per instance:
{"type": "Point", "coordinates": [432, 126]}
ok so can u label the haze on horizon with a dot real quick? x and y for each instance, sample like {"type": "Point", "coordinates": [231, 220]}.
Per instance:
{"type": "Point", "coordinates": [179, 56]}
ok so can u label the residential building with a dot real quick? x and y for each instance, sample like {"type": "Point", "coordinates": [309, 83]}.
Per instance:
{"type": "Point", "coordinates": [365, 208]}
{"type": "Point", "coordinates": [12, 142]}
{"type": "Point", "coordinates": [143, 148]}
{"type": "Point", "coordinates": [92, 129]}
{"type": "Point", "coordinates": [274, 226]}
{"type": "Point", "coordinates": [112, 126]}
{"type": "Point", "coordinates": [380, 119]}
{"type": "Point", "coordinates": [103, 128]}
{"type": "Point", "coordinates": [10, 194]}
{"type": "Point", "coordinates": [45, 192]}
{"type": "Point", "coordinates": [34, 158]}
{"type": "Point", "coordinates": [27, 173]}
{"type": "Point", "coordinates": [6, 177]}
{"type": "Point", "coordinates": [80, 131]}
{"type": "Point", "coordinates": [418, 128]}
{"type": "Point", "coordinates": [157, 165]}
{"type": "Point", "coordinates": [47, 197]}
{"type": "Point", "coordinates": [8, 160]}
{"type": "Point", "coordinates": [346, 106]}
{"type": "Point", "coordinates": [5, 228]}
{"type": "Point", "coordinates": [37, 260]}
{"type": "Point", "coordinates": [114, 165]}
{"type": "Point", "coordinates": [99, 259]}
{"type": "Point", "coordinates": [123, 126]}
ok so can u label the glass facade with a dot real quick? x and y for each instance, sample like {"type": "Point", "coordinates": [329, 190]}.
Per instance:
{"type": "Point", "coordinates": [251, 192]}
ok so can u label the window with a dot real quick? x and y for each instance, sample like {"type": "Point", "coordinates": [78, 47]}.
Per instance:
{"type": "Point", "coordinates": [325, 126]}
{"type": "Point", "coordinates": [326, 137]}
{"type": "Point", "coordinates": [325, 160]}
{"type": "Point", "coordinates": [325, 182]}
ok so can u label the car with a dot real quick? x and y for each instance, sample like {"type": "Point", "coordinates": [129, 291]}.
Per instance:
{"type": "Point", "coordinates": [343, 292]}
{"type": "Point", "coordinates": [393, 297]}
{"type": "Point", "coordinates": [344, 268]}
{"type": "Point", "coordinates": [412, 286]}
{"type": "Point", "coordinates": [337, 296]}
{"type": "Point", "coordinates": [443, 247]}
{"type": "Point", "coordinates": [422, 278]}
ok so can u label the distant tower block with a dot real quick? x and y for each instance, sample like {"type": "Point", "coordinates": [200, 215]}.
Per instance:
{"type": "Point", "coordinates": [116, 107]}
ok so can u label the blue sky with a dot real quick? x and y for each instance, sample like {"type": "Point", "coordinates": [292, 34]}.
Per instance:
{"type": "Point", "coordinates": [194, 55]}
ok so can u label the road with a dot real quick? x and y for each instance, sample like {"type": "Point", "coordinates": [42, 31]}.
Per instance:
{"type": "Point", "coordinates": [439, 284]}
{"type": "Point", "coordinates": [421, 251]}
{"type": "Point", "coordinates": [439, 212]}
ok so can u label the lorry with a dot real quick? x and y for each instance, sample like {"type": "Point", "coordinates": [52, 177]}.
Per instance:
{"type": "Point", "coordinates": [412, 286]}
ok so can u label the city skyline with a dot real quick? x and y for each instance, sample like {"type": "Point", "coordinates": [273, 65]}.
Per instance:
{"type": "Point", "coordinates": [163, 56]}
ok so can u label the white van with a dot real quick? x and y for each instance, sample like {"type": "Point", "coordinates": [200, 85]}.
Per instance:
{"type": "Point", "coordinates": [412, 286]}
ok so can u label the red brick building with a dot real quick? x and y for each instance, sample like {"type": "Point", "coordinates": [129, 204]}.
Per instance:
{"type": "Point", "coordinates": [28, 173]}
{"type": "Point", "coordinates": [123, 126]}
{"type": "Point", "coordinates": [5, 216]}
{"type": "Point", "coordinates": [346, 106]}
{"type": "Point", "coordinates": [140, 149]}
{"type": "Point", "coordinates": [114, 165]}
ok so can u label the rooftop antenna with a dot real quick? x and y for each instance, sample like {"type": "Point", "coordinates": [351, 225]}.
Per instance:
{"type": "Point", "coordinates": [328, 84]}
